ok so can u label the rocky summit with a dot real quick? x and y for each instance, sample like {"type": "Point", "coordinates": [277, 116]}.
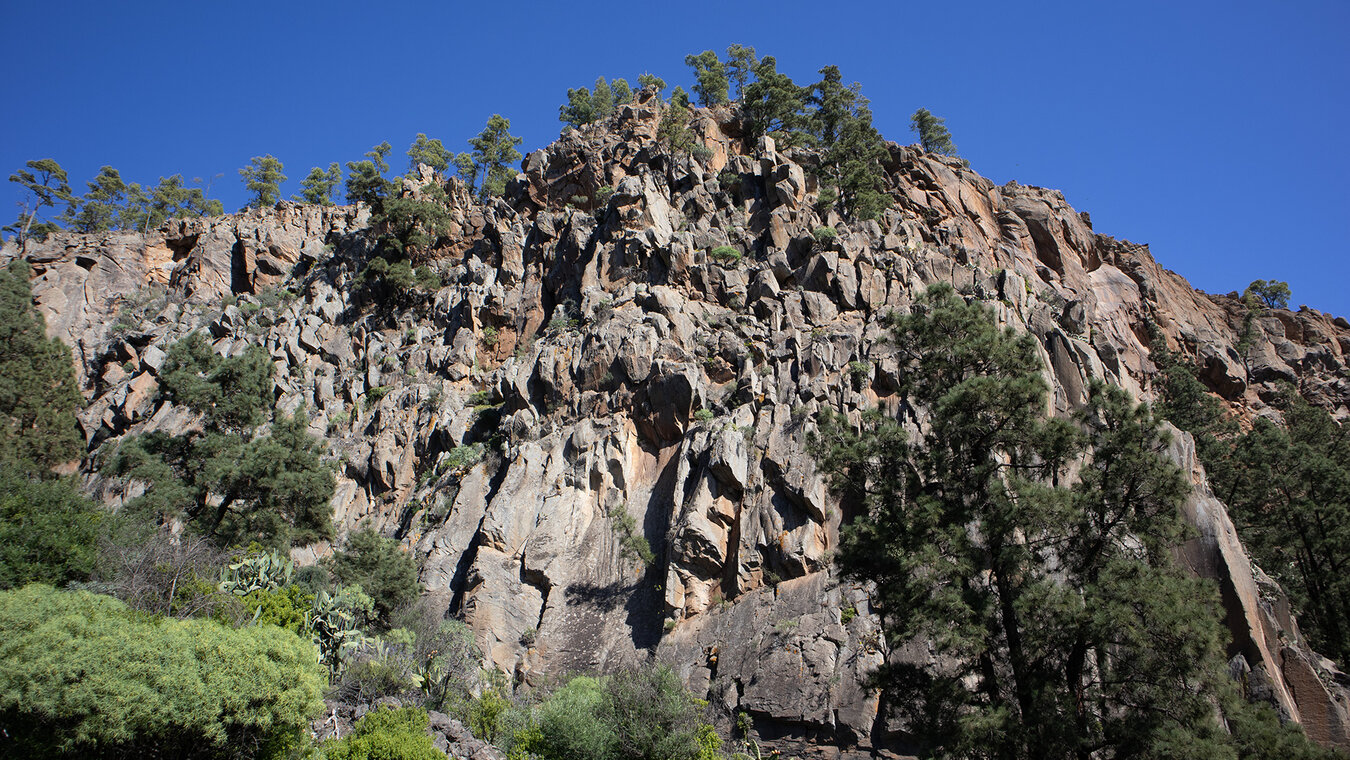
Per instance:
{"type": "Point", "coordinates": [632, 345]}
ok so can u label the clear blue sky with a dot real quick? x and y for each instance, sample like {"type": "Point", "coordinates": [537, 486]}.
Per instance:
{"type": "Point", "coordinates": [1214, 131]}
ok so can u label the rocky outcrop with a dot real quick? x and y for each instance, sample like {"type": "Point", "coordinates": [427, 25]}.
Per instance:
{"type": "Point", "coordinates": [589, 378]}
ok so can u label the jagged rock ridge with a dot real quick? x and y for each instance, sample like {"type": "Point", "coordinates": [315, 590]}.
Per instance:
{"type": "Point", "coordinates": [586, 341]}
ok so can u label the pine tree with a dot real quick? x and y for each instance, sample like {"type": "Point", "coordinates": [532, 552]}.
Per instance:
{"type": "Point", "coordinates": [623, 94]}
{"type": "Point", "coordinates": [710, 78]}
{"type": "Point", "coordinates": [170, 199]}
{"type": "Point", "coordinates": [1288, 489]}
{"type": "Point", "coordinates": [1061, 626]}
{"type": "Point", "coordinates": [263, 178]}
{"type": "Point", "coordinates": [853, 153]}
{"type": "Point", "coordinates": [579, 109]}
{"type": "Point", "coordinates": [1273, 294]}
{"type": "Point", "coordinates": [602, 97]}
{"type": "Point", "coordinates": [46, 183]}
{"type": "Point", "coordinates": [365, 179]}
{"type": "Point", "coordinates": [494, 152]}
{"type": "Point", "coordinates": [318, 187]}
{"type": "Point", "coordinates": [773, 105]}
{"type": "Point", "coordinates": [932, 132]}
{"type": "Point", "coordinates": [103, 207]}
{"type": "Point", "coordinates": [651, 80]}
{"type": "Point", "coordinates": [429, 152]}
{"type": "Point", "coordinates": [38, 393]}
{"type": "Point", "coordinates": [740, 64]}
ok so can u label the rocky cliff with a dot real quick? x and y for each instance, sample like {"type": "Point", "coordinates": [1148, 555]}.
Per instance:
{"type": "Point", "coordinates": [617, 380]}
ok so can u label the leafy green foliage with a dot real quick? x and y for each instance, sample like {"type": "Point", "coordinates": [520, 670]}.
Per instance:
{"type": "Point", "coordinates": [740, 65]}
{"type": "Point", "coordinates": [710, 77]}
{"type": "Point", "coordinates": [263, 178]}
{"type": "Point", "coordinates": [853, 151]}
{"type": "Point", "coordinates": [365, 179]}
{"type": "Point", "coordinates": [673, 129]}
{"type": "Point", "coordinates": [46, 183]}
{"type": "Point", "coordinates": [932, 132]}
{"type": "Point", "coordinates": [38, 394]}
{"type": "Point", "coordinates": [1288, 489]}
{"type": "Point", "coordinates": [103, 207]}
{"type": "Point", "coordinates": [1058, 615]}
{"type": "Point", "coordinates": [234, 393]}
{"type": "Point", "coordinates": [494, 152]}
{"type": "Point", "coordinates": [386, 734]}
{"type": "Point", "coordinates": [235, 487]}
{"type": "Point", "coordinates": [587, 107]}
{"type": "Point", "coordinates": [83, 674]}
{"type": "Point", "coordinates": [646, 80]}
{"type": "Point", "coordinates": [642, 714]}
{"type": "Point", "coordinates": [410, 228]}
{"type": "Point", "coordinates": [773, 105]}
{"type": "Point", "coordinates": [446, 657]}
{"type": "Point", "coordinates": [380, 567]}
{"type": "Point", "coordinates": [170, 199]}
{"type": "Point", "coordinates": [427, 151]}
{"type": "Point", "coordinates": [725, 255]}
{"type": "Point", "coordinates": [825, 235]}
{"type": "Point", "coordinates": [1273, 294]}
{"type": "Point", "coordinates": [319, 185]}
{"type": "Point", "coordinates": [48, 530]}
{"type": "Point", "coordinates": [632, 544]}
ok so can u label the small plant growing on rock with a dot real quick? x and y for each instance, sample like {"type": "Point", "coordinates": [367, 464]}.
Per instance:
{"type": "Point", "coordinates": [338, 421]}
{"type": "Point", "coordinates": [528, 637]}
{"type": "Point", "coordinates": [703, 415]}
{"type": "Point", "coordinates": [461, 458]}
{"type": "Point", "coordinates": [725, 255]}
{"type": "Point", "coordinates": [603, 195]}
{"type": "Point", "coordinates": [860, 369]}
{"type": "Point", "coordinates": [490, 336]}
{"type": "Point", "coordinates": [632, 544]}
{"type": "Point", "coordinates": [480, 398]}
{"type": "Point", "coordinates": [847, 614]}
{"type": "Point", "coordinates": [825, 235]}
{"type": "Point", "coordinates": [374, 395]}
{"type": "Point", "coordinates": [728, 180]}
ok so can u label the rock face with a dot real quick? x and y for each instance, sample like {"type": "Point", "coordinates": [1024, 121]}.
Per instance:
{"type": "Point", "coordinates": [628, 387]}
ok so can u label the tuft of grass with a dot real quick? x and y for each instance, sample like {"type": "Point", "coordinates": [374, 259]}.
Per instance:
{"type": "Point", "coordinates": [825, 235]}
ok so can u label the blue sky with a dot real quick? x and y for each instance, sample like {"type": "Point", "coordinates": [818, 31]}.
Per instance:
{"type": "Point", "coordinates": [1214, 131]}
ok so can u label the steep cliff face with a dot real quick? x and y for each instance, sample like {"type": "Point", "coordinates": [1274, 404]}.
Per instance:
{"type": "Point", "coordinates": [623, 383]}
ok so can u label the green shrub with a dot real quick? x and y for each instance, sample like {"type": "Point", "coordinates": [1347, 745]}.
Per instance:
{"type": "Point", "coordinates": [825, 235]}
{"type": "Point", "coordinates": [375, 395]}
{"type": "Point", "coordinates": [461, 458]}
{"type": "Point", "coordinates": [386, 734]}
{"type": "Point", "coordinates": [379, 669]}
{"type": "Point", "coordinates": [479, 398]}
{"type": "Point", "coordinates": [48, 530]}
{"type": "Point", "coordinates": [728, 180]}
{"type": "Point", "coordinates": [703, 415]}
{"type": "Point", "coordinates": [725, 255]}
{"type": "Point", "coordinates": [632, 544]}
{"type": "Point", "coordinates": [380, 567]}
{"type": "Point", "coordinates": [82, 674]}
{"type": "Point", "coordinates": [645, 714]}
{"type": "Point", "coordinates": [603, 195]}
{"type": "Point", "coordinates": [860, 369]}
